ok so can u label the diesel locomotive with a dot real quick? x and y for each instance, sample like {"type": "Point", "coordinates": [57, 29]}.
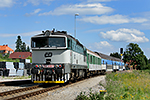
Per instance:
{"type": "Point", "coordinates": [58, 58]}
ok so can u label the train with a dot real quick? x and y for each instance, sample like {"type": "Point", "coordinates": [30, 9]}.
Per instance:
{"type": "Point", "coordinates": [58, 57]}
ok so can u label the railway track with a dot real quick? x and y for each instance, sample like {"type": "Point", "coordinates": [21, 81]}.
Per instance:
{"type": "Point", "coordinates": [18, 90]}
{"type": "Point", "coordinates": [15, 83]}
{"type": "Point", "coordinates": [1, 84]}
{"type": "Point", "coordinates": [31, 93]}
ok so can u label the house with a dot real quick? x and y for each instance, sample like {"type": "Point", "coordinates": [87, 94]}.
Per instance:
{"type": "Point", "coordinates": [20, 55]}
{"type": "Point", "coordinates": [4, 49]}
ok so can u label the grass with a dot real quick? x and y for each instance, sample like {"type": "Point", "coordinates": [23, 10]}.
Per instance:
{"type": "Point", "coordinates": [129, 86]}
{"type": "Point", "coordinates": [17, 77]}
{"type": "Point", "coordinates": [124, 86]}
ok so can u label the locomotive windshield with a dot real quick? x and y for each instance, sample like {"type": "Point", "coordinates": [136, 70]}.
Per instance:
{"type": "Point", "coordinates": [48, 42]}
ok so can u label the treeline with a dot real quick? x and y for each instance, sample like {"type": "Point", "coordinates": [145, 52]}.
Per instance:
{"type": "Point", "coordinates": [134, 56]}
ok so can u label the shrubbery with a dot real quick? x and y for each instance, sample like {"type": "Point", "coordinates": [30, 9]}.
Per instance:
{"type": "Point", "coordinates": [7, 59]}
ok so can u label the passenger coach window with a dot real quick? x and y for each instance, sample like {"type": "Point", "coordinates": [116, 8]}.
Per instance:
{"type": "Point", "coordinates": [91, 59]}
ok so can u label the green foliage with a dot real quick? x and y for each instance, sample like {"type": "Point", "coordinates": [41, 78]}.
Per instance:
{"type": "Point", "coordinates": [135, 56]}
{"type": "Point", "coordinates": [1, 56]}
{"type": "Point", "coordinates": [28, 49]}
{"type": "Point", "coordinates": [18, 44]}
{"type": "Point", "coordinates": [149, 61]}
{"type": "Point", "coordinates": [30, 59]}
{"type": "Point", "coordinates": [21, 46]}
{"type": "Point", "coordinates": [82, 96]}
{"type": "Point", "coordinates": [7, 59]}
{"type": "Point", "coordinates": [117, 55]}
{"type": "Point", "coordinates": [90, 96]}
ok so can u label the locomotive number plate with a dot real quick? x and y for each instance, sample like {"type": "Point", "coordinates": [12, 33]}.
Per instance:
{"type": "Point", "coordinates": [48, 66]}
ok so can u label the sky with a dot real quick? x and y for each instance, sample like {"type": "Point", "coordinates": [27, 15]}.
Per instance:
{"type": "Point", "coordinates": [102, 25]}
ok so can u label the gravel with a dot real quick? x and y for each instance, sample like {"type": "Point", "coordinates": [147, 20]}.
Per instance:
{"type": "Point", "coordinates": [70, 92]}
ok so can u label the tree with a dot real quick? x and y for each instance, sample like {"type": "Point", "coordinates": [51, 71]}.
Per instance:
{"type": "Point", "coordinates": [149, 61]}
{"type": "Point", "coordinates": [28, 49]}
{"type": "Point", "coordinates": [135, 56]}
{"type": "Point", "coordinates": [18, 44]}
{"type": "Point", "coordinates": [23, 47]}
{"type": "Point", "coordinates": [117, 55]}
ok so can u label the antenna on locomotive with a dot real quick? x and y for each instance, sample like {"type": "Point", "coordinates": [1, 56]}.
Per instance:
{"type": "Point", "coordinates": [47, 32]}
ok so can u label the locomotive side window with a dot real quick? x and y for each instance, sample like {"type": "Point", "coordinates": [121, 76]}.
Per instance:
{"type": "Point", "coordinates": [69, 44]}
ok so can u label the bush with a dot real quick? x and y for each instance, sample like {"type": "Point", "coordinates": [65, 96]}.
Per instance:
{"type": "Point", "coordinates": [90, 96]}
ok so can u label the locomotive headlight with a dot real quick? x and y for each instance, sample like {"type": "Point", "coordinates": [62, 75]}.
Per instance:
{"type": "Point", "coordinates": [36, 66]}
{"type": "Point", "coordinates": [59, 65]}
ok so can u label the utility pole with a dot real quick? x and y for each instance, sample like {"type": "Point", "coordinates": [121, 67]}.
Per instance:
{"type": "Point", "coordinates": [77, 14]}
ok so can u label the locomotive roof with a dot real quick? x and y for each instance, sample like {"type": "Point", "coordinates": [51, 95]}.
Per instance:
{"type": "Point", "coordinates": [93, 53]}
{"type": "Point", "coordinates": [108, 57]}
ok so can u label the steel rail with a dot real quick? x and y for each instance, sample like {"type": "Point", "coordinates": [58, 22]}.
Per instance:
{"type": "Point", "coordinates": [18, 90]}
{"type": "Point", "coordinates": [33, 93]}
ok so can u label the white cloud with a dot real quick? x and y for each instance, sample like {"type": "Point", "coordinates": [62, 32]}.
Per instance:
{"type": "Point", "coordinates": [82, 9]}
{"type": "Point", "coordinates": [30, 33]}
{"type": "Point", "coordinates": [102, 44]}
{"type": "Point", "coordinates": [6, 3]}
{"type": "Point", "coordinates": [126, 35]}
{"type": "Point", "coordinates": [114, 19]}
{"type": "Point", "coordinates": [22, 34]}
{"type": "Point", "coordinates": [138, 20]}
{"type": "Point", "coordinates": [99, 0]}
{"type": "Point", "coordinates": [33, 13]}
{"type": "Point", "coordinates": [37, 2]}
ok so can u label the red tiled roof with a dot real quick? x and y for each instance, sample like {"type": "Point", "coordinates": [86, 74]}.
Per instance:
{"type": "Point", "coordinates": [20, 55]}
{"type": "Point", "coordinates": [5, 47]}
